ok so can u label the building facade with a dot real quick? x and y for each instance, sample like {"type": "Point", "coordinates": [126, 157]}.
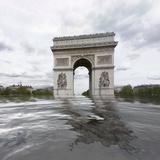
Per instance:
{"type": "Point", "coordinates": [95, 52]}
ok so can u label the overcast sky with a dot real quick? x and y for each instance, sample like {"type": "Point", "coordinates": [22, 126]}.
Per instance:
{"type": "Point", "coordinates": [27, 28]}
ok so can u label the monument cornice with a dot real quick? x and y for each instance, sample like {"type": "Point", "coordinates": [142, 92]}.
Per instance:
{"type": "Point", "coordinates": [84, 51]}
{"type": "Point", "coordinates": [84, 46]}
{"type": "Point", "coordinates": [97, 35]}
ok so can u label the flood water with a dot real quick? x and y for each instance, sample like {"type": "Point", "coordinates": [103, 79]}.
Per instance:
{"type": "Point", "coordinates": [79, 129]}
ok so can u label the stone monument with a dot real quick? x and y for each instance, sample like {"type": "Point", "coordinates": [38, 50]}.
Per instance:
{"type": "Point", "coordinates": [95, 52]}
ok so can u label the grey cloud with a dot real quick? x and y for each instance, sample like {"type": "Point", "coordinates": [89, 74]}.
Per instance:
{"type": "Point", "coordinates": [121, 12]}
{"type": "Point", "coordinates": [9, 75]}
{"type": "Point", "coordinates": [8, 62]}
{"type": "Point", "coordinates": [23, 75]}
{"type": "Point", "coordinates": [134, 73]}
{"type": "Point", "coordinates": [78, 71]}
{"type": "Point", "coordinates": [154, 77]}
{"type": "Point", "coordinates": [4, 46]}
{"type": "Point", "coordinates": [49, 74]}
{"type": "Point", "coordinates": [148, 37]}
{"type": "Point", "coordinates": [152, 35]}
{"type": "Point", "coordinates": [41, 82]}
{"type": "Point", "coordinates": [81, 70]}
{"type": "Point", "coordinates": [122, 68]}
{"type": "Point", "coordinates": [42, 52]}
{"type": "Point", "coordinates": [42, 86]}
{"type": "Point", "coordinates": [128, 22]}
{"type": "Point", "coordinates": [35, 68]}
{"type": "Point", "coordinates": [81, 73]}
{"type": "Point", "coordinates": [80, 76]}
{"type": "Point", "coordinates": [133, 56]}
{"type": "Point", "coordinates": [27, 47]}
{"type": "Point", "coordinates": [34, 62]}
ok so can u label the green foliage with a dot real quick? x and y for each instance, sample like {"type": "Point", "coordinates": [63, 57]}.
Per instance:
{"type": "Point", "coordinates": [22, 91]}
{"type": "Point", "coordinates": [116, 93]}
{"type": "Point", "coordinates": [7, 91]}
{"type": "Point", "coordinates": [19, 91]}
{"type": "Point", "coordinates": [127, 91]}
{"type": "Point", "coordinates": [148, 91]}
{"type": "Point", "coordinates": [42, 92]}
{"type": "Point", "coordinates": [86, 93]}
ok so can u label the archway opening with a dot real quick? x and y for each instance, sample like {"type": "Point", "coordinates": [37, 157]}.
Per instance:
{"type": "Point", "coordinates": [82, 71]}
{"type": "Point", "coordinates": [81, 80]}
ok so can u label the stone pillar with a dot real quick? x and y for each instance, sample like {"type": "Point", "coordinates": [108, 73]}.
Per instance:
{"type": "Point", "coordinates": [63, 83]}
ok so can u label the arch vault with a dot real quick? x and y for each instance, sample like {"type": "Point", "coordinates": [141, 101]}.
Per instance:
{"type": "Point", "coordinates": [95, 52]}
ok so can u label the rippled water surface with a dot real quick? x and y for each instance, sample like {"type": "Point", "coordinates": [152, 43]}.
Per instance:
{"type": "Point", "coordinates": [78, 128]}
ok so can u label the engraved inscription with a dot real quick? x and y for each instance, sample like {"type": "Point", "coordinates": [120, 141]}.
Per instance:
{"type": "Point", "coordinates": [81, 51]}
{"type": "Point", "coordinates": [104, 80]}
{"type": "Point", "coordinates": [62, 80]}
{"type": "Point", "coordinates": [62, 61]}
{"type": "Point", "coordinates": [104, 60]}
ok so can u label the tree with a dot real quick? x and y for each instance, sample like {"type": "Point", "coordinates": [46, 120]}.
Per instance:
{"type": "Point", "coordinates": [86, 93]}
{"type": "Point", "coordinates": [21, 90]}
{"type": "Point", "coordinates": [42, 92]}
{"type": "Point", "coordinates": [127, 91]}
{"type": "Point", "coordinates": [7, 91]}
{"type": "Point", "coordinates": [149, 91]}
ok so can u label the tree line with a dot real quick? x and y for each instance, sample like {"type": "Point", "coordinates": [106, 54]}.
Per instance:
{"type": "Point", "coordinates": [146, 91]}
{"type": "Point", "coordinates": [22, 90]}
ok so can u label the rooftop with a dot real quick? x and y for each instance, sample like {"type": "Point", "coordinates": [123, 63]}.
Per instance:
{"type": "Point", "coordinates": [97, 35]}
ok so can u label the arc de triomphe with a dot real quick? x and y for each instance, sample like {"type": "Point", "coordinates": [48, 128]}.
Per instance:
{"type": "Point", "coordinates": [95, 52]}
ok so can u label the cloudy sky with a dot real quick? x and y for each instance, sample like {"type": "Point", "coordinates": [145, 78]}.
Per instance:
{"type": "Point", "coordinates": [27, 28]}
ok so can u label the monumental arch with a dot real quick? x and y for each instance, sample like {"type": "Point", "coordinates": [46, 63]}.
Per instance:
{"type": "Point", "coordinates": [95, 52]}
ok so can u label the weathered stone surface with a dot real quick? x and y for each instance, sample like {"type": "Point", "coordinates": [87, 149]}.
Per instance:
{"type": "Point", "coordinates": [95, 52]}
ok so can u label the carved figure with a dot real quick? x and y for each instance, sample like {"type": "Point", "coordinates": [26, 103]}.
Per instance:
{"type": "Point", "coordinates": [104, 80]}
{"type": "Point", "coordinates": [62, 81]}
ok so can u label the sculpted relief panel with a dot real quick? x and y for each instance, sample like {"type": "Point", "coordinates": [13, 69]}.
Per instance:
{"type": "Point", "coordinates": [104, 60]}
{"type": "Point", "coordinates": [62, 61]}
{"type": "Point", "coordinates": [62, 80]}
{"type": "Point", "coordinates": [104, 80]}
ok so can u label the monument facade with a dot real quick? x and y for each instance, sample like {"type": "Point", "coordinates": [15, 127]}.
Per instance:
{"type": "Point", "coordinates": [95, 52]}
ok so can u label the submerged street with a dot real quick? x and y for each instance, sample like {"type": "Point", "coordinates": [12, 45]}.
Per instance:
{"type": "Point", "coordinates": [79, 128]}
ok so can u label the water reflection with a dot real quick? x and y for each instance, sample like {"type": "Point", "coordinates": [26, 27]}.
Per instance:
{"type": "Point", "coordinates": [46, 128]}
{"type": "Point", "coordinates": [16, 140]}
{"type": "Point", "coordinates": [153, 100]}
{"type": "Point", "coordinates": [18, 99]}
{"type": "Point", "coordinates": [108, 129]}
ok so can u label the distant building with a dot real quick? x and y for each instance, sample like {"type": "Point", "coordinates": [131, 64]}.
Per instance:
{"type": "Point", "coordinates": [30, 88]}
{"type": "Point", "coordinates": [118, 88]}
{"type": "Point", "coordinates": [136, 88]}
{"type": "Point", "coordinates": [14, 87]}
{"type": "Point", "coordinates": [49, 89]}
